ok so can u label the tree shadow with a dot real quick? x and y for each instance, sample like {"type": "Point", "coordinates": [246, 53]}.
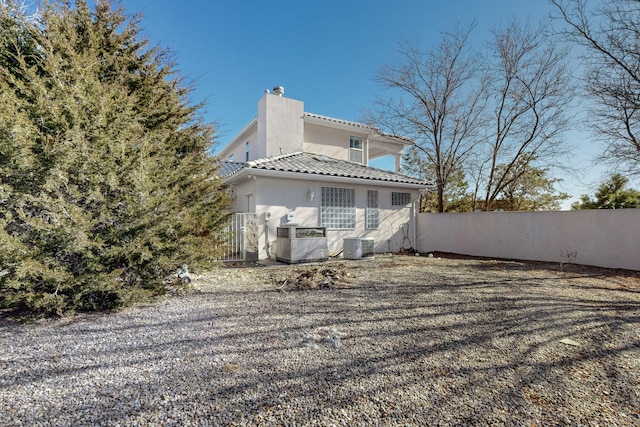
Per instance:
{"type": "Point", "coordinates": [433, 347]}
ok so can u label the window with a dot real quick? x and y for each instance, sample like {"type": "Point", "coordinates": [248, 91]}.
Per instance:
{"type": "Point", "coordinates": [246, 152]}
{"type": "Point", "coordinates": [355, 149]}
{"type": "Point", "coordinates": [372, 213]}
{"type": "Point", "coordinates": [338, 208]}
{"type": "Point", "coordinates": [400, 199]}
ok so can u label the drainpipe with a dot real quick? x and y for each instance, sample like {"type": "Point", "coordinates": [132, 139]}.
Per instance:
{"type": "Point", "coordinates": [414, 222]}
{"type": "Point", "coordinates": [414, 218]}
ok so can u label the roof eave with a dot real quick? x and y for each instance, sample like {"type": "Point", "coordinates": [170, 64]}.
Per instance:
{"type": "Point", "coordinates": [250, 172]}
{"type": "Point", "coordinates": [240, 135]}
{"type": "Point", "coordinates": [373, 132]}
{"type": "Point", "coordinates": [384, 137]}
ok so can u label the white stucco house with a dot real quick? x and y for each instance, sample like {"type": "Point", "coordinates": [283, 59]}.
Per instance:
{"type": "Point", "coordinates": [292, 167]}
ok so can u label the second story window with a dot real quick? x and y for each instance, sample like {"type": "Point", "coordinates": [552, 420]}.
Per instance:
{"type": "Point", "coordinates": [355, 149]}
{"type": "Point", "coordinates": [246, 152]}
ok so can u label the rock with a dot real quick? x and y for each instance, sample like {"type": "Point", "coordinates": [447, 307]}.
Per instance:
{"type": "Point", "coordinates": [183, 274]}
{"type": "Point", "coordinates": [328, 336]}
{"type": "Point", "coordinates": [230, 367]}
{"type": "Point", "coordinates": [570, 342]}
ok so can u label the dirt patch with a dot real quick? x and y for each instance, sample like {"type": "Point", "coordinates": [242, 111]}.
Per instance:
{"type": "Point", "coordinates": [314, 277]}
{"type": "Point", "coordinates": [337, 273]}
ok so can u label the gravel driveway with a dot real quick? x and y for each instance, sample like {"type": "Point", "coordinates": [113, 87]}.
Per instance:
{"type": "Point", "coordinates": [409, 341]}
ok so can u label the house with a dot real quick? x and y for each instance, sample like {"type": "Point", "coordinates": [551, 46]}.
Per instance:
{"type": "Point", "coordinates": [292, 167]}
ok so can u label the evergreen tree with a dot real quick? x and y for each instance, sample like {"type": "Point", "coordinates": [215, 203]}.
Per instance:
{"type": "Point", "coordinates": [611, 194]}
{"type": "Point", "coordinates": [105, 181]}
{"type": "Point", "coordinates": [527, 188]}
{"type": "Point", "coordinates": [455, 196]}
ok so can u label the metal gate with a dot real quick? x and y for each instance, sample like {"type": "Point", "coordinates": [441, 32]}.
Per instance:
{"type": "Point", "coordinates": [241, 238]}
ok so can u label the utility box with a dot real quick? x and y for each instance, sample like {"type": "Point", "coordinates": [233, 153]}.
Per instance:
{"type": "Point", "coordinates": [296, 244]}
{"type": "Point", "coordinates": [358, 247]}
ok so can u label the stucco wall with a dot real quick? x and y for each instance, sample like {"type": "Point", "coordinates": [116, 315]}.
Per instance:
{"type": "Point", "coordinates": [278, 129]}
{"type": "Point", "coordinates": [280, 126]}
{"type": "Point", "coordinates": [331, 142]}
{"type": "Point", "coordinates": [278, 200]}
{"type": "Point", "coordinates": [237, 148]}
{"type": "Point", "coordinates": [244, 196]}
{"type": "Point", "coordinates": [604, 238]}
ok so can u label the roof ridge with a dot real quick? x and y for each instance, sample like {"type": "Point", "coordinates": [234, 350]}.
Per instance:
{"type": "Point", "coordinates": [263, 160]}
{"type": "Point", "coordinates": [253, 119]}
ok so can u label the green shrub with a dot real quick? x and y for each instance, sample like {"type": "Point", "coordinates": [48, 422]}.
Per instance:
{"type": "Point", "coordinates": [106, 185]}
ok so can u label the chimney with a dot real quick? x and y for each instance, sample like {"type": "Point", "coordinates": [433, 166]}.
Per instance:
{"type": "Point", "coordinates": [278, 90]}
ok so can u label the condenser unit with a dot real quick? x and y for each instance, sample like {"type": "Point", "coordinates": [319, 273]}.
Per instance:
{"type": "Point", "coordinates": [358, 247]}
{"type": "Point", "coordinates": [297, 244]}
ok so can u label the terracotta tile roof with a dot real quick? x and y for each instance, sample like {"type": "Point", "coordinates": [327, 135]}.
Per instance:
{"type": "Point", "coordinates": [317, 164]}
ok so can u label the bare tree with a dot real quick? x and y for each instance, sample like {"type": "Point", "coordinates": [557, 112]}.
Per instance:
{"type": "Point", "coordinates": [440, 104]}
{"type": "Point", "coordinates": [530, 89]}
{"type": "Point", "coordinates": [610, 33]}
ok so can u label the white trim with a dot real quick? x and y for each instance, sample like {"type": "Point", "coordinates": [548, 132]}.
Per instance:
{"type": "Point", "coordinates": [323, 178]}
{"type": "Point", "coordinates": [230, 145]}
{"type": "Point", "coordinates": [356, 150]}
{"type": "Point", "coordinates": [366, 146]}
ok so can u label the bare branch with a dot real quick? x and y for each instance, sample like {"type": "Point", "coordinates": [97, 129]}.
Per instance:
{"type": "Point", "coordinates": [610, 33]}
{"type": "Point", "coordinates": [530, 91]}
{"type": "Point", "coordinates": [441, 102]}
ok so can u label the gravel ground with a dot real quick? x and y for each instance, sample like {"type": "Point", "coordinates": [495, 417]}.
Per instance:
{"type": "Point", "coordinates": [402, 341]}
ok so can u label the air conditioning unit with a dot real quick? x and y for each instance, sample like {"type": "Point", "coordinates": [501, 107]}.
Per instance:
{"type": "Point", "coordinates": [297, 244]}
{"type": "Point", "coordinates": [358, 247]}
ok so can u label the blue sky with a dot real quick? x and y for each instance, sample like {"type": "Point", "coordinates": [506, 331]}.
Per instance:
{"type": "Point", "coordinates": [324, 53]}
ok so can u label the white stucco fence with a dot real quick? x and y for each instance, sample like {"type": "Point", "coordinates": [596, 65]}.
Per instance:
{"type": "Point", "coordinates": [603, 238]}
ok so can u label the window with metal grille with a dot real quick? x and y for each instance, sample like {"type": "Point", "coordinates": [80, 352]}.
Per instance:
{"type": "Point", "coordinates": [372, 213]}
{"type": "Point", "coordinates": [400, 199]}
{"type": "Point", "coordinates": [338, 209]}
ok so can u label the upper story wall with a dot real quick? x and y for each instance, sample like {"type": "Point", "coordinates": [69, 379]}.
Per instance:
{"type": "Point", "coordinates": [331, 142]}
{"type": "Point", "coordinates": [282, 127]}
{"type": "Point", "coordinates": [236, 151]}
